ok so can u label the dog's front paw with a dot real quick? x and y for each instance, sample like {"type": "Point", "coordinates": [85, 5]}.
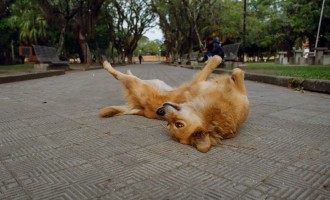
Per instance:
{"type": "Point", "coordinates": [213, 62]}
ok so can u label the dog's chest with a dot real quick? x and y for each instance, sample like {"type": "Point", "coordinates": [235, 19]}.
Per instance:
{"type": "Point", "coordinates": [205, 85]}
{"type": "Point", "coordinates": [210, 86]}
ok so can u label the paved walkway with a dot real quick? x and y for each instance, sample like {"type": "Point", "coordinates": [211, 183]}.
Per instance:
{"type": "Point", "coordinates": [54, 146]}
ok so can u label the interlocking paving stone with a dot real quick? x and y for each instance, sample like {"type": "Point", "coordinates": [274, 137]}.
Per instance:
{"type": "Point", "coordinates": [144, 136]}
{"type": "Point", "coordinates": [53, 144]}
{"type": "Point", "coordinates": [107, 125]}
{"type": "Point", "coordinates": [294, 183]}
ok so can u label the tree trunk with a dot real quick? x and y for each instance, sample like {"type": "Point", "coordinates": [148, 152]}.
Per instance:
{"type": "Point", "coordinates": [85, 49]}
{"type": "Point", "coordinates": [61, 40]}
{"type": "Point", "coordinates": [130, 57]}
{"type": "Point", "coordinates": [190, 50]}
{"type": "Point", "coordinates": [122, 56]}
{"type": "Point", "coordinates": [12, 52]}
{"type": "Point", "coordinates": [201, 46]}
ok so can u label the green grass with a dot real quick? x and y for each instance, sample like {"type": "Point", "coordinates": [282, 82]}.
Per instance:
{"type": "Point", "coordinates": [305, 72]}
{"type": "Point", "coordinates": [17, 67]}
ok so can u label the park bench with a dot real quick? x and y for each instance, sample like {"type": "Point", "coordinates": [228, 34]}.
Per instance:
{"type": "Point", "coordinates": [195, 57]}
{"type": "Point", "coordinates": [47, 55]}
{"type": "Point", "coordinates": [230, 55]}
{"type": "Point", "coordinates": [231, 51]}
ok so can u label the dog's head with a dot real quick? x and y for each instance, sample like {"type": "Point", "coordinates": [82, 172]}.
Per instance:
{"type": "Point", "coordinates": [187, 126]}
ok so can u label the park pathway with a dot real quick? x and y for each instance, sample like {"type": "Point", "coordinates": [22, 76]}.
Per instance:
{"type": "Point", "coordinates": [54, 146]}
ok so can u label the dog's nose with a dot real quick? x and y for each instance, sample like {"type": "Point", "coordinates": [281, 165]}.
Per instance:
{"type": "Point", "coordinates": [160, 111]}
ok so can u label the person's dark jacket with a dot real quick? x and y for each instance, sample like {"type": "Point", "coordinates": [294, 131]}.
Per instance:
{"type": "Point", "coordinates": [209, 47]}
{"type": "Point", "coordinates": [217, 49]}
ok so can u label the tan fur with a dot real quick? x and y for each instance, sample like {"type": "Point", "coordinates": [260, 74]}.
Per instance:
{"type": "Point", "coordinates": [199, 113]}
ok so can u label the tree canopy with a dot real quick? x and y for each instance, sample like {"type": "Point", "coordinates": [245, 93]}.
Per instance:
{"type": "Point", "coordinates": [89, 28]}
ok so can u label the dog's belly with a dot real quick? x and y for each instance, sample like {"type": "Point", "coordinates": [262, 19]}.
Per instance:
{"type": "Point", "coordinates": [205, 85]}
{"type": "Point", "coordinates": [212, 87]}
{"type": "Point", "coordinates": [245, 99]}
{"type": "Point", "coordinates": [161, 85]}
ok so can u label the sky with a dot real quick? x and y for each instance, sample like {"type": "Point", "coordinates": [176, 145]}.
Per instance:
{"type": "Point", "coordinates": [154, 34]}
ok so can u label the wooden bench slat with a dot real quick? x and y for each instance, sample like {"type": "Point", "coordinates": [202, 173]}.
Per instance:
{"type": "Point", "coordinates": [48, 55]}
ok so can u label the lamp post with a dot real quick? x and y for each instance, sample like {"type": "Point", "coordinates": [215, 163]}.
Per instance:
{"type": "Point", "coordinates": [123, 55]}
{"type": "Point", "coordinates": [318, 30]}
{"type": "Point", "coordinates": [244, 29]}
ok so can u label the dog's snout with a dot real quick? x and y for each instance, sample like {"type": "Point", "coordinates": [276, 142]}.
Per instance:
{"type": "Point", "coordinates": [160, 111]}
{"type": "Point", "coordinates": [176, 107]}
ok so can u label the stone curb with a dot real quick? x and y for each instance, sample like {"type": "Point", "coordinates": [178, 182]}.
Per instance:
{"type": "Point", "coordinates": [84, 68]}
{"type": "Point", "coordinates": [24, 77]}
{"type": "Point", "coordinates": [314, 85]}
{"type": "Point", "coordinates": [317, 85]}
{"type": "Point", "coordinates": [36, 75]}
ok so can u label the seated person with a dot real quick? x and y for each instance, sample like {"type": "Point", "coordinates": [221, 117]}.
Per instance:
{"type": "Point", "coordinates": [213, 47]}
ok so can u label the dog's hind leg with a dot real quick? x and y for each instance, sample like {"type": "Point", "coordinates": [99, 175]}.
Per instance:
{"type": "Point", "coordinates": [115, 73]}
{"type": "Point", "coordinates": [238, 77]}
{"type": "Point", "coordinates": [129, 81]}
{"type": "Point", "coordinates": [118, 110]}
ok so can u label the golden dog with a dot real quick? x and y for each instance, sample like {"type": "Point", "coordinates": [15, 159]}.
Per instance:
{"type": "Point", "coordinates": [199, 113]}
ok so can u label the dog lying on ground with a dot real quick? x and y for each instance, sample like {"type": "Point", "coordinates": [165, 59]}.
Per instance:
{"type": "Point", "coordinates": [200, 113]}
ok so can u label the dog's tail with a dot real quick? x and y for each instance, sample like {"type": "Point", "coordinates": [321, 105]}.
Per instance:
{"type": "Point", "coordinates": [119, 110]}
{"type": "Point", "coordinates": [112, 110]}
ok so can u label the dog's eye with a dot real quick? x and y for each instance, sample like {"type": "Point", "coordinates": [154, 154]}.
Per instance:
{"type": "Point", "coordinates": [179, 124]}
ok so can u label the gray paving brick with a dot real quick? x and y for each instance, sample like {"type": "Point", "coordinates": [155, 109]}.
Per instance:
{"type": "Point", "coordinates": [53, 145]}
{"type": "Point", "coordinates": [102, 147]}
{"type": "Point", "coordinates": [187, 182]}
{"type": "Point", "coordinates": [135, 166]}
{"type": "Point", "coordinates": [79, 182]}
{"type": "Point", "coordinates": [144, 136]}
{"type": "Point", "coordinates": [106, 125]}
{"type": "Point", "coordinates": [27, 146]}
{"type": "Point", "coordinates": [294, 183]}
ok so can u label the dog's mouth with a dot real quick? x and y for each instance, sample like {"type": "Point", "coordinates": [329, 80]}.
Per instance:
{"type": "Point", "coordinates": [162, 110]}
{"type": "Point", "coordinates": [176, 107]}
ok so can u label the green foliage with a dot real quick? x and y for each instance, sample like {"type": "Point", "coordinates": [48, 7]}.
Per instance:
{"type": "Point", "coordinates": [226, 21]}
{"type": "Point", "coordinates": [6, 32]}
{"type": "Point", "coordinates": [281, 25]}
{"type": "Point", "coordinates": [27, 18]}
{"type": "Point", "coordinates": [148, 47]}
{"type": "Point", "coordinates": [8, 36]}
{"type": "Point", "coordinates": [130, 18]}
{"type": "Point", "coordinates": [112, 26]}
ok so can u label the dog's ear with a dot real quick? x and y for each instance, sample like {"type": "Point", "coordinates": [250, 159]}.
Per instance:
{"type": "Point", "coordinates": [201, 140]}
